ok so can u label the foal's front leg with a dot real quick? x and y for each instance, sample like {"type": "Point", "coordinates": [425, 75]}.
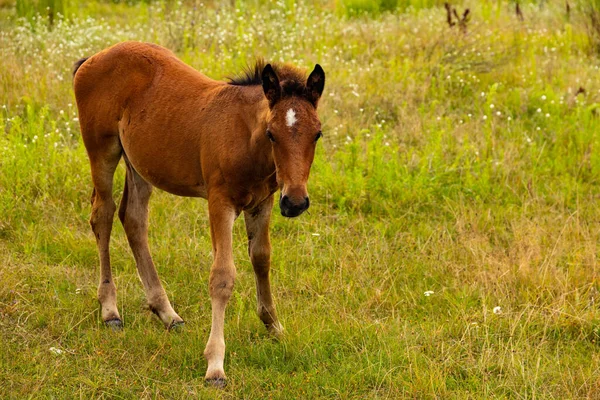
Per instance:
{"type": "Point", "coordinates": [222, 276]}
{"type": "Point", "coordinates": [259, 249]}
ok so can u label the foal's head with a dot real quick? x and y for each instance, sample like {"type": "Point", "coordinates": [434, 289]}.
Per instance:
{"type": "Point", "coordinates": [293, 128]}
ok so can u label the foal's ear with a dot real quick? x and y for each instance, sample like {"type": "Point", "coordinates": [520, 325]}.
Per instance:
{"type": "Point", "coordinates": [315, 84]}
{"type": "Point", "coordinates": [271, 86]}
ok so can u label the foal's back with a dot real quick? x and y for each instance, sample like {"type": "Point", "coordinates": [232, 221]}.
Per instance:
{"type": "Point", "coordinates": [153, 106]}
{"type": "Point", "coordinates": [126, 72]}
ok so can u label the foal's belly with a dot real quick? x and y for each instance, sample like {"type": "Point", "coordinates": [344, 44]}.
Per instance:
{"type": "Point", "coordinates": [167, 163]}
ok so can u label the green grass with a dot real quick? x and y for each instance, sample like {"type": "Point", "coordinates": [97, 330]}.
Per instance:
{"type": "Point", "coordinates": [467, 165]}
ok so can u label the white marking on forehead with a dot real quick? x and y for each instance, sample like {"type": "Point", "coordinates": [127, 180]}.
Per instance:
{"type": "Point", "coordinates": [290, 118]}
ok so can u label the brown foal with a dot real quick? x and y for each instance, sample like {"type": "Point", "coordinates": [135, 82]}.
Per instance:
{"type": "Point", "coordinates": [234, 143]}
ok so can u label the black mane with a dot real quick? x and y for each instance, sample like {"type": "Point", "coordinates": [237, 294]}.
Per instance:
{"type": "Point", "coordinates": [251, 75]}
{"type": "Point", "coordinates": [292, 79]}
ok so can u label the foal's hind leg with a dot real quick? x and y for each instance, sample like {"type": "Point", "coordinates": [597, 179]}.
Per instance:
{"type": "Point", "coordinates": [259, 249]}
{"type": "Point", "coordinates": [104, 160]}
{"type": "Point", "coordinates": [133, 213]}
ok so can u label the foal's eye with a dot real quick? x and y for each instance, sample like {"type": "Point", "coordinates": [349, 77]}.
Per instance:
{"type": "Point", "coordinates": [318, 136]}
{"type": "Point", "coordinates": [270, 136]}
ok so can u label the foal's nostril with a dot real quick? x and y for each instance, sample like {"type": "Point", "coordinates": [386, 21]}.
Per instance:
{"type": "Point", "coordinates": [306, 203]}
{"type": "Point", "coordinates": [285, 201]}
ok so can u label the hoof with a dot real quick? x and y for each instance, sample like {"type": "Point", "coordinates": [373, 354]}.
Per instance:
{"type": "Point", "coordinates": [114, 324]}
{"type": "Point", "coordinates": [176, 326]}
{"type": "Point", "coordinates": [218, 383]}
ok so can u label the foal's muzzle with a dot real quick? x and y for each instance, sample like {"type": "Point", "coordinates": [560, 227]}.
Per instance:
{"type": "Point", "coordinates": [293, 207]}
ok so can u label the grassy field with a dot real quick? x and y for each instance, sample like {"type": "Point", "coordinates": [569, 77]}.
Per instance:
{"type": "Point", "coordinates": [451, 250]}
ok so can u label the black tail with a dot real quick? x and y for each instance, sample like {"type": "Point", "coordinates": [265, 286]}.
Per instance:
{"type": "Point", "coordinates": [78, 64]}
